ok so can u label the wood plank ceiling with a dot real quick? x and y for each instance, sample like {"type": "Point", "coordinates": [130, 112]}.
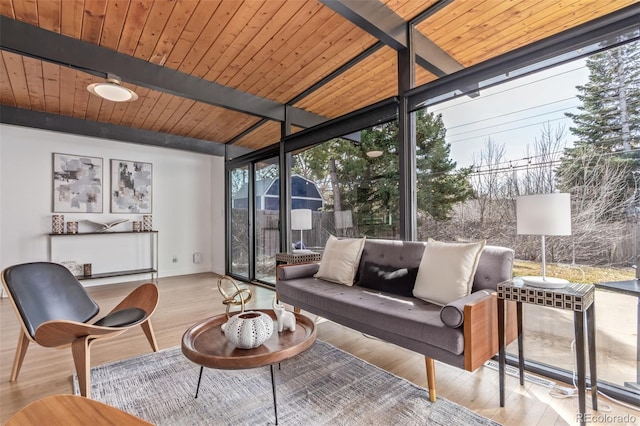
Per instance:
{"type": "Point", "coordinates": [274, 50]}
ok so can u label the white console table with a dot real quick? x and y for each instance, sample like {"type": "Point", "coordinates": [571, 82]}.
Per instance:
{"type": "Point", "coordinates": [153, 244]}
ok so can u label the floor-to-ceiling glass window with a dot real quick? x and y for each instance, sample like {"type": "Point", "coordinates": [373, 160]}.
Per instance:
{"type": "Point", "coordinates": [267, 218]}
{"type": "Point", "coordinates": [239, 255]}
{"type": "Point", "coordinates": [572, 128]}
{"type": "Point", "coordinates": [474, 156]}
{"type": "Point", "coordinates": [254, 233]}
{"type": "Point", "coordinates": [350, 185]}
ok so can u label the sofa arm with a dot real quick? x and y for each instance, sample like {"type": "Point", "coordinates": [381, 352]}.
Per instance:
{"type": "Point", "coordinates": [452, 314]}
{"type": "Point", "coordinates": [292, 272]}
{"type": "Point", "coordinates": [481, 329]}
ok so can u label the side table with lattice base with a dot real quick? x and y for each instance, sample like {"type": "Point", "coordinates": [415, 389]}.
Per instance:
{"type": "Point", "coordinates": [573, 297]}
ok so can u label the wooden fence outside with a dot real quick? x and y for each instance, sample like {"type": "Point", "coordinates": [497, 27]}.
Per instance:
{"type": "Point", "coordinates": [624, 251]}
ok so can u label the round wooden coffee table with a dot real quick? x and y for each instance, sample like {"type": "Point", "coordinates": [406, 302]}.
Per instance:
{"type": "Point", "coordinates": [205, 344]}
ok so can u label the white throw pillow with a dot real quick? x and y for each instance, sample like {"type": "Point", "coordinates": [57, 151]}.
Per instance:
{"type": "Point", "coordinates": [446, 271]}
{"type": "Point", "coordinates": [340, 260]}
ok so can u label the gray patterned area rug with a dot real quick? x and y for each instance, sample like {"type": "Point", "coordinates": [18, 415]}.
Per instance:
{"type": "Point", "coordinates": [322, 386]}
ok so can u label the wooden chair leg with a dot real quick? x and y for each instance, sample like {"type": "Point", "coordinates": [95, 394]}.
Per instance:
{"type": "Point", "coordinates": [80, 348]}
{"type": "Point", "coordinates": [151, 337]}
{"type": "Point", "coordinates": [21, 351]}
{"type": "Point", "coordinates": [431, 377]}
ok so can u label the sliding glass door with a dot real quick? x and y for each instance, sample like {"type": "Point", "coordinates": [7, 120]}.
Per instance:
{"type": "Point", "coordinates": [267, 219]}
{"type": "Point", "coordinates": [239, 259]}
{"type": "Point", "coordinates": [254, 231]}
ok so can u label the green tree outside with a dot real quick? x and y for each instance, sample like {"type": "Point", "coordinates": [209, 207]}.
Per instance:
{"type": "Point", "coordinates": [368, 186]}
{"type": "Point", "coordinates": [608, 128]}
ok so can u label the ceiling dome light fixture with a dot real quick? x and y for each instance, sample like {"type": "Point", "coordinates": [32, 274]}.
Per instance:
{"type": "Point", "coordinates": [111, 90]}
{"type": "Point", "coordinates": [374, 154]}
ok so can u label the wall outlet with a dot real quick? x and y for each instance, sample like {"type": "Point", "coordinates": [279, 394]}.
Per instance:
{"type": "Point", "coordinates": [197, 257]}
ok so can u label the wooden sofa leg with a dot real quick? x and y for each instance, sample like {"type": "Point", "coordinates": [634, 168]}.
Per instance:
{"type": "Point", "coordinates": [21, 351]}
{"type": "Point", "coordinates": [431, 377]}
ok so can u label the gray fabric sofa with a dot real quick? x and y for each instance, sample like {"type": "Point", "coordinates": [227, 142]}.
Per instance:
{"type": "Point", "coordinates": [462, 333]}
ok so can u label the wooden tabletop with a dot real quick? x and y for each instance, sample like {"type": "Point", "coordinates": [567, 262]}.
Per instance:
{"type": "Point", "coordinates": [72, 410]}
{"type": "Point", "coordinates": [205, 344]}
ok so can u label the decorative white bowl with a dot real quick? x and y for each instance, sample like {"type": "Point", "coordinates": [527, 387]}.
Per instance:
{"type": "Point", "coordinates": [248, 330]}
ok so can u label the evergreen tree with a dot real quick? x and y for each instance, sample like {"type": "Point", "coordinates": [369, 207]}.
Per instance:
{"type": "Point", "coordinates": [609, 116]}
{"type": "Point", "coordinates": [440, 187]}
{"type": "Point", "coordinates": [369, 185]}
{"type": "Point", "coordinates": [607, 125]}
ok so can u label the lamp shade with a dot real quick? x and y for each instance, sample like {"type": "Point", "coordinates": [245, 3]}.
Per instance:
{"type": "Point", "coordinates": [544, 214]}
{"type": "Point", "coordinates": [301, 219]}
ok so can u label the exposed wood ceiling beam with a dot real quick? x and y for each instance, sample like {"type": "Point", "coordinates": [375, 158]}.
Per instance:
{"type": "Point", "coordinates": [29, 40]}
{"type": "Point", "coordinates": [78, 126]}
{"type": "Point", "coordinates": [387, 26]}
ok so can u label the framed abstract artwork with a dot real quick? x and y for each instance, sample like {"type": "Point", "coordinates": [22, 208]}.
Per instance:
{"type": "Point", "coordinates": [131, 186]}
{"type": "Point", "coordinates": [77, 184]}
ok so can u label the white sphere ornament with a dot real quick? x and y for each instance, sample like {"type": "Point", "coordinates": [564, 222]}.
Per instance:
{"type": "Point", "coordinates": [248, 330]}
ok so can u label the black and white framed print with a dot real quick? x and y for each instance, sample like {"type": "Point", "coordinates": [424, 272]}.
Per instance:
{"type": "Point", "coordinates": [77, 184]}
{"type": "Point", "coordinates": [131, 186]}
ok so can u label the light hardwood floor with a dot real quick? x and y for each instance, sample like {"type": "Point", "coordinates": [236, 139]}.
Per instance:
{"type": "Point", "coordinates": [187, 299]}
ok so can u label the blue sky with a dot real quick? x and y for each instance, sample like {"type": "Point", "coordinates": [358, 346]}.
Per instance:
{"type": "Point", "coordinates": [513, 113]}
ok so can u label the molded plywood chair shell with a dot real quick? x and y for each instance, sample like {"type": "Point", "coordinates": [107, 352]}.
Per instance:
{"type": "Point", "coordinates": [54, 310]}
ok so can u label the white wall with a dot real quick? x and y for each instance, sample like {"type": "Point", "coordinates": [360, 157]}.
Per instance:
{"type": "Point", "coordinates": [188, 205]}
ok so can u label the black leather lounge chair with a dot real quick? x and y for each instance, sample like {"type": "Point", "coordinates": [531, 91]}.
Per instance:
{"type": "Point", "coordinates": [54, 310]}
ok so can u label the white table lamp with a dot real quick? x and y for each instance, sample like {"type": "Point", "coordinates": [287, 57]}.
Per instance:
{"type": "Point", "coordinates": [544, 214]}
{"type": "Point", "coordinates": [301, 220]}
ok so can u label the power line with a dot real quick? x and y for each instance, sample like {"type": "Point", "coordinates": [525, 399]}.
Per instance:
{"type": "Point", "coordinates": [512, 121]}
{"type": "Point", "coordinates": [629, 105]}
{"type": "Point", "coordinates": [498, 167]}
{"type": "Point", "coordinates": [515, 87]}
{"type": "Point", "coordinates": [509, 130]}
{"type": "Point", "coordinates": [528, 160]}
{"type": "Point", "coordinates": [513, 112]}
{"type": "Point", "coordinates": [517, 168]}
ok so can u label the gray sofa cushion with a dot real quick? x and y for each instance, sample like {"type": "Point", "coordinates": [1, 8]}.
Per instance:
{"type": "Point", "coordinates": [495, 266]}
{"type": "Point", "coordinates": [405, 316]}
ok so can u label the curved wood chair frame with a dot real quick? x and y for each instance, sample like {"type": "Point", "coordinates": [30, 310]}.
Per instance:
{"type": "Point", "coordinates": [80, 336]}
